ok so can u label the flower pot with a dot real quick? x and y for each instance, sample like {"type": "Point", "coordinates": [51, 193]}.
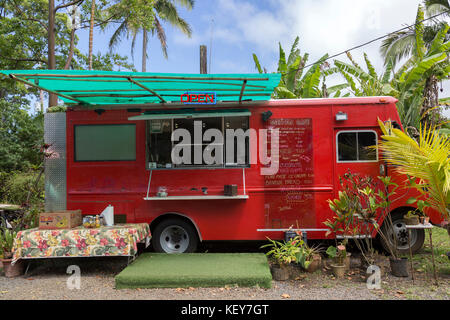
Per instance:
{"type": "Point", "coordinates": [295, 270]}
{"type": "Point", "coordinates": [12, 270]}
{"type": "Point", "coordinates": [399, 267]}
{"type": "Point", "coordinates": [411, 221]}
{"type": "Point", "coordinates": [338, 270]}
{"type": "Point", "coordinates": [426, 220]}
{"type": "Point", "coordinates": [315, 264]}
{"type": "Point", "coordinates": [280, 273]}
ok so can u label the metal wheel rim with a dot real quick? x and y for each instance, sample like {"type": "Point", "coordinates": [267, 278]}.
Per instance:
{"type": "Point", "coordinates": [399, 229]}
{"type": "Point", "coordinates": [174, 239]}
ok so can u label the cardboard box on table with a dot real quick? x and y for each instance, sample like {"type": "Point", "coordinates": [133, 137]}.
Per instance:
{"type": "Point", "coordinates": [60, 220]}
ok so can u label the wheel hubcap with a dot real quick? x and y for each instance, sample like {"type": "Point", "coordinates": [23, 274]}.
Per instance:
{"type": "Point", "coordinates": [399, 229]}
{"type": "Point", "coordinates": [174, 239]}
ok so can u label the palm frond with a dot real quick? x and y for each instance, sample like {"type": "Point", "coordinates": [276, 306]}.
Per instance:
{"type": "Point", "coordinates": [426, 160]}
{"type": "Point", "coordinates": [161, 36]}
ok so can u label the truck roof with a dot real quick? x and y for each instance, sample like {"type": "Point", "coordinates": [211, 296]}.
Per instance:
{"type": "Point", "coordinates": [335, 101]}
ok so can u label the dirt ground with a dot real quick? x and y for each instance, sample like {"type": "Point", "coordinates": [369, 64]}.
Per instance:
{"type": "Point", "coordinates": [47, 279]}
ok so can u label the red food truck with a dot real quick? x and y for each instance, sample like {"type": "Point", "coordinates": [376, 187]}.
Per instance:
{"type": "Point", "coordinates": [117, 150]}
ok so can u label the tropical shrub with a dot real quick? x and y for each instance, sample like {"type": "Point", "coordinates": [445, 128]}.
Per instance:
{"type": "Point", "coordinates": [425, 162]}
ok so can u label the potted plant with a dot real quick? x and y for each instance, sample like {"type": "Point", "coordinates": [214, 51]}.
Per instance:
{"type": "Point", "coordinates": [338, 255]}
{"type": "Point", "coordinates": [343, 220]}
{"type": "Point", "coordinates": [411, 218]}
{"type": "Point", "coordinates": [7, 237]}
{"type": "Point", "coordinates": [308, 258]}
{"type": "Point", "coordinates": [282, 255]}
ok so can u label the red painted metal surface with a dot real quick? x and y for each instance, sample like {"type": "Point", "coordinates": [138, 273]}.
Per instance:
{"type": "Point", "coordinates": [296, 195]}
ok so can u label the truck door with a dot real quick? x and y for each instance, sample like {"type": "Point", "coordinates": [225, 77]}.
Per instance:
{"type": "Point", "coordinates": [352, 153]}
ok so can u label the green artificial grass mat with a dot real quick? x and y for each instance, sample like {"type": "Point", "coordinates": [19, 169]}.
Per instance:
{"type": "Point", "coordinates": [160, 270]}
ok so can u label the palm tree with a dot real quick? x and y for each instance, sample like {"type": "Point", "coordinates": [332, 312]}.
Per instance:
{"type": "Point", "coordinates": [91, 33]}
{"type": "Point", "coordinates": [402, 44]}
{"type": "Point", "coordinates": [417, 80]}
{"type": "Point", "coordinates": [148, 19]}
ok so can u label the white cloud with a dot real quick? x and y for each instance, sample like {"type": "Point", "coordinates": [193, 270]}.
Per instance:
{"type": "Point", "coordinates": [324, 26]}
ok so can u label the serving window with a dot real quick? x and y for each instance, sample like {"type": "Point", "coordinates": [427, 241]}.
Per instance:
{"type": "Point", "coordinates": [200, 150]}
{"type": "Point", "coordinates": [105, 142]}
{"type": "Point", "coordinates": [354, 146]}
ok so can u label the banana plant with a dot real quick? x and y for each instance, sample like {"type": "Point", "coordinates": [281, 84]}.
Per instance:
{"type": "Point", "coordinates": [361, 82]}
{"type": "Point", "coordinates": [416, 80]}
{"type": "Point", "coordinates": [296, 81]}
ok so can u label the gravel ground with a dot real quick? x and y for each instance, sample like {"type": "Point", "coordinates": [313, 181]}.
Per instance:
{"type": "Point", "coordinates": [47, 279]}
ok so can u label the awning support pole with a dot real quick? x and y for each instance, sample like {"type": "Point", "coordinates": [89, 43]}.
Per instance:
{"type": "Point", "coordinates": [243, 179]}
{"type": "Point", "coordinates": [242, 90]}
{"type": "Point", "coordinates": [41, 88]}
{"type": "Point", "coordinates": [148, 89]}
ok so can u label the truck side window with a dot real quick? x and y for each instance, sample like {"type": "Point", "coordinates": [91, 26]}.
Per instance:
{"type": "Point", "coordinates": [105, 142]}
{"type": "Point", "coordinates": [354, 146]}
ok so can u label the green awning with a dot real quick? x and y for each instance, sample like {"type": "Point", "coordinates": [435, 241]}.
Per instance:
{"type": "Point", "coordinates": [183, 114]}
{"type": "Point", "coordinates": [100, 88]}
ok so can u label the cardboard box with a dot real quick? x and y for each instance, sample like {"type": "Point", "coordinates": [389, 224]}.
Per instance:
{"type": "Point", "coordinates": [230, 190]}
{"type": "Point", "coordinates": [60, 220]}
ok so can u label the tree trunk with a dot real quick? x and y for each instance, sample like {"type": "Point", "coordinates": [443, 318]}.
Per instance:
{"type": "Point", "coordinates": [429, 113]}
{"type": "Point", "coordinates": [144, 50]}
{"type": "Point", "coordinates": [71, 49]}
{"type": "Point", "coordinates": [53, 99]}
{"type": "Point", "coordinates": [91, 33]}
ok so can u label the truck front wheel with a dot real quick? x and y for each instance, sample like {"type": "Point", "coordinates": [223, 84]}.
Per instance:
{"type": "Point", "coordinates": [174, 236]}
{"type": "Point", "coordinates": [399, 229]}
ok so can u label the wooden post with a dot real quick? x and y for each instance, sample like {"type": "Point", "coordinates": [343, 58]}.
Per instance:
{"type": "Point", "coordinates": [203, 60]}
{"type": "Point", "coordinates": [53, 99]}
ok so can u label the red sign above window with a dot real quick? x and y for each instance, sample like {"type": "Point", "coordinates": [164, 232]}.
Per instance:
{"type": "Point", "coordinates": [198, 98]}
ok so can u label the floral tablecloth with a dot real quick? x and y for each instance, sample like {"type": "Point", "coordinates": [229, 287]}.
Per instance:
{"type": "Point", "coordinates": [118, 240]}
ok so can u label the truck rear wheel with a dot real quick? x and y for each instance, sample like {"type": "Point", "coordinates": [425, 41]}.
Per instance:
{"type": "Point", "coordinates": [174, 236]}
{"type": "Point", "coordinates": [399, 229]}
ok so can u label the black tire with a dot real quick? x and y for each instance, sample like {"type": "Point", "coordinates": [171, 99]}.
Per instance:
{"type": "Point", "coordinates": [417, 235]}
{"type": "Point", "coordinates": [174, 235]}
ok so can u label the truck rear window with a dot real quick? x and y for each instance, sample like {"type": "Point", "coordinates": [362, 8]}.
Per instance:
{"type": "Point", "coordinates": [110, 142]}
{"type": "Point", "coordinates": [354, 146]}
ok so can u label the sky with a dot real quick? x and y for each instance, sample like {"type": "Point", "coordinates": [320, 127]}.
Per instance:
{"type": "Point", "coordinates": [235, 29]}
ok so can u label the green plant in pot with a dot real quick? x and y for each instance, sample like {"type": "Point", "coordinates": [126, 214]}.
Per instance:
{"type": "Point", "coordinates": [8, 232]}
{"type": "Point", "coordinates": [411, 218]}
{"type": "Point", "coordinates": [342, 221]}
{"type": "Point", "coordinates": [7, 237]}
{"type": "Point", "coordinates": [282, 254]}
{"type": "Point", "coordinates": [338, 255]}
{"type": "Point", "coordinates": [308, 258]}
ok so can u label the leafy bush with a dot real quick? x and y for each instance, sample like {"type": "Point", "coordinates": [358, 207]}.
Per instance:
{"type": "Point", "coordinates": [21, 136]}
{"type": "Point", "coordinates": [17, 187]}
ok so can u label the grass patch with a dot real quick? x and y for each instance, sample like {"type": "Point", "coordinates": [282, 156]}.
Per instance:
{"type": "Point", "coordinates": [441, 245]}
{"type": "Point", "coordinates": [159, 270]}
